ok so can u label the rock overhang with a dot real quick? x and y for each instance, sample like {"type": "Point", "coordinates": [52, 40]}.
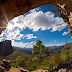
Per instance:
{"type": "Point", "coordinates": [13, 8]}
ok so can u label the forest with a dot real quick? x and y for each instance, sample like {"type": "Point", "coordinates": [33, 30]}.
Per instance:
{"type": "Point", "coordinates": [39, 59]}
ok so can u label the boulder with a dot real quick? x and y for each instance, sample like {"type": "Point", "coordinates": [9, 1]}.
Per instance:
{"type": "Point", "coordinates": [22, 69]}
{"type": "Point", "coordinates": [40, 70]}
{"type": "Point", "coordinates": [2, 69]}
{"type": "Point", "coordinates": [62, 70]}
{"type": "Point", "coordinates": [4, 65]}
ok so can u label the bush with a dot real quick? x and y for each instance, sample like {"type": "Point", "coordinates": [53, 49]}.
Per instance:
{"type": "Point", "coordinates": [35, 58]}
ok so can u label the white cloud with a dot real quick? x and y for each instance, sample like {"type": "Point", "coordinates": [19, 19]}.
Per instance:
{"type": "Point", "coordinates": [12, 32]}
{"type": "Point", "coordinates": [65, 33]}
{"type": "Point", "coordinates": [23, 45]}
{"type": "Point", "coordinates": [59, 27]}
{"type": "Point", "coordinates": [30, 36]}
{"type": "Point", "coordinates": [15, 35]}
{"type": "Point", "coordinates": [35, 9]}
{"type": "Point", "coordinates": [35, 20]}
{"type": "Point", "coordinates": [38, 20]}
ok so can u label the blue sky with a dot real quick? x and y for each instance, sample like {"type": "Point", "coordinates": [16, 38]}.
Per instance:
{"type": "Point", "coordinates": [42, 23]}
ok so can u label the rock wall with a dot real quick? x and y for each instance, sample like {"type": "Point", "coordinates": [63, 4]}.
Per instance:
{"type": "Point", "coordinates": [5, 48]}
{"type": "Point", "coordinates": [12, 8]}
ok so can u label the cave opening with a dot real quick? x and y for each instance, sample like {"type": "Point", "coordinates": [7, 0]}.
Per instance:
{"type": "Point", "coordinates": [45, 25]}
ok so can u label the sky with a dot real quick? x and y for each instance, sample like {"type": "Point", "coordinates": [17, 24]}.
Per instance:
{"type": "Point", "coordinates": [42, 23]}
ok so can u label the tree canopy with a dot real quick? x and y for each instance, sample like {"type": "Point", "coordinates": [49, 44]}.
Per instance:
{"type": "Point", "coordinates": [39, 48]}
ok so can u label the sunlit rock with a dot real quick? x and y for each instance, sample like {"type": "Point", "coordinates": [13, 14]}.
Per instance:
{"type": "Point", "coordinates": [40, 70]}
{"type": "Point", "coordinates": [62, 70]}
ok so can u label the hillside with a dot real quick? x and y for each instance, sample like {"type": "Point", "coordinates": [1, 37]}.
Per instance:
{"type": "Point", "coordinates": [34, 62]}
{"type": "Point", "coordinates": [25, 50]}
{"type": "Point", "coordinates": [15, 54]}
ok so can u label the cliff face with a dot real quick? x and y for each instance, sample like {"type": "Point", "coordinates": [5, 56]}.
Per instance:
{"type": "Point", "coordinates": [5, 48]}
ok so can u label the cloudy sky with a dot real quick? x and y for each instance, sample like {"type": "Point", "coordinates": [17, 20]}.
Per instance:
{"type": "Point", "coordinates": [42, 23]}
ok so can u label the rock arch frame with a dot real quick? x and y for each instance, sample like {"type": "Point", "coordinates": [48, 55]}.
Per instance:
{"type": "Point", "coordinates": [12, 8]}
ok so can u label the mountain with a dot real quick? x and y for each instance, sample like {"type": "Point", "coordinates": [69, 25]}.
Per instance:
{"type": "Point", "coordinates": [59, 47]}
{"type": "Point", "coordinates": [25, 50]}
{"type": "Point", "coordinates": [51, 49]}
{"type": "Point", "coordinates": [56, 47]}
{"type": "Point", "coordinates": [5, 48]}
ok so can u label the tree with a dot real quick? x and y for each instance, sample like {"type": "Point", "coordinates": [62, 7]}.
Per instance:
{"type": "Point", "coordinates": [38, 43]}
{"type": "Point", "coordinates": [66, 46]}
{"type": "Point", "coordinates": [34, 50]}
{"type": "Point", "coordinates": [19, 61]}
{"type": "Point", "coordinates": [71, 51]}
{"type": "Point", "coordinates": [65, 55]}
{"type": "Point", "coordinates": [46, 49]}
{"type": "Point", "coordinates": [39, 48]}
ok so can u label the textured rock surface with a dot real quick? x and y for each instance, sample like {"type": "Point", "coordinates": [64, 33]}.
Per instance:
{"type": "Point", "coordinates": [62, 70]}
{"type": "Point", "coordinates": [4, 65]}
{"type": "Point", "coordinates": [12, 8]}
{"type": "Point", "coordinates": [22, 69]}
{"type": "Point", "coordinates": [12, 69]}
{"type": "Point", "coordinates": [5, 48]}
{"type": "Point", "coordinates": [40, 70]}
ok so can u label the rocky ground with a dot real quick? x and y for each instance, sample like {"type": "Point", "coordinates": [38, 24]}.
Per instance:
{"type": "Point", "coordinates": [6, 67]}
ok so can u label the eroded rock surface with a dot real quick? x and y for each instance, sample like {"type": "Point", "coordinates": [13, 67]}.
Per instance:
{"type": "Point", "coordinates": [4, 65]}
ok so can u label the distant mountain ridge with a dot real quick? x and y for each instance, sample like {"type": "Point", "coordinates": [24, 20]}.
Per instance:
{"type": "Point", "coordinates": [21, 48]}
{"type": "Point", "coordinates": [29, 50]}
{"type": "Point", "coordinates": [6, 48]}
{"type": "Point", "coordinates": [25, 50]}
{"type": "Point", "coordinates": [56, 47]}
{"type": "Point", "coordinates": [50, 47]}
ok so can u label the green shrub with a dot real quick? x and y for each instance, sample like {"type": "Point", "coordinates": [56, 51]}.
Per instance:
{"type": "Point", "coordinates": [35, 58]}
